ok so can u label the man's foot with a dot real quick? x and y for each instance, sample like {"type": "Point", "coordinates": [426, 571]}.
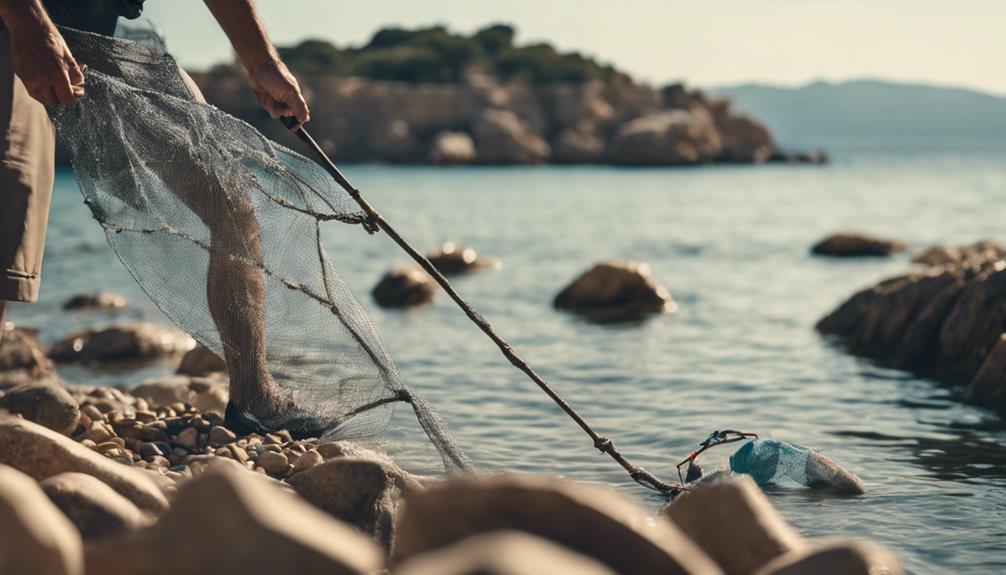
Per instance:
{"type": "Point", "coordinates": [300, 425]}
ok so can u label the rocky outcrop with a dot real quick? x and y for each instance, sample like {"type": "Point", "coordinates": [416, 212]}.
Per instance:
{"type": "Point", "coordinates": [450, 259]}
{"type": "Point", "coordinates": [856, 245]}
{"type": "Point", "coordinates": [122, 342]}
{"type": "Point", "coordinates": [404, 287]}
{"type": "Point", "coordinates": [613, 290]}
{"type": "Point", "coordinates": [96, 301]}
{"type": "Point", "coordinates": [501, 137]}
{"type": "Point", "coordinates": [95, 509]}
{"type": "Point", "coordinates": [672, 137]}
{"type": "Point", "coordinates": [35, 536]}
{"type": "Point", "coordinates": [46, 403]}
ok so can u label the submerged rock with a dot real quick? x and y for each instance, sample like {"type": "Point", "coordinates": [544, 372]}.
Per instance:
{"type": "Point", "coordinates": [404, 287]}
{"type": "Point", "coordinates": [47, 403]}
{"type": "Point", "coordinates": [96, 300]}
{"type": "Point", "coordinates": [95, 509]}
{"type": "Point", "coordinates": [122, 341]}
{"type": "Point", "coordinates": [856, 245]}
{"type": "Point", "coordinates": [613, 290]}
{"type": "Point", "coordinates": [35, 537]}
{"type": "Point", "coordinates": [450, 259]}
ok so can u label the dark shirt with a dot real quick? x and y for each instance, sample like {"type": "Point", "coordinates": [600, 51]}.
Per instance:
{"type": "Point", "coordinates": [98, 16]}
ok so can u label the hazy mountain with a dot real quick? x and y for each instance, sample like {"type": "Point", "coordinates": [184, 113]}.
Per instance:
{"type": "Point", "coordinates": [873, 112]}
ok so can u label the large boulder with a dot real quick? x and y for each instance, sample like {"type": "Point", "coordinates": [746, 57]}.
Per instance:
{"type": "Point", "coordinates": [745, 140]}
{"type": "Point", "coordinates": [404, 287]}
{"type": "Point", "coordinates": [22, 357]}
{"type": "Point", "coordinates": [95, 509]}
{"type": "Point", "coordinates": [452, 148]}
{"type": "Point", "coordinates": [200, 361]}
{"type": "Point", "coordinates": [595, 522]}
{"type": "Point", "coordinates": [230, 521]}
{"type": "Point", "coordinates": [666, 138]}
{"type": "Point", "coordinates": [856, 245]}
{"type": "Point", "coordinates": [47, 403]}
{"type": "Point", "coordinates": [503, 138]}
{"type": "Point", "coordinates": [42, 453]}
{"type": "Point", "coordinates": [122, 341]}
{"type": "Point", "coordinates": [96, 301]}
{"type": "Point", "coordinates": [735, 524]}
{"type": "Point", "coordinates": [502, 553]}
{"type": "Point", "coordinates": [34, 536]}
{"type": "Point", "coordinates": [836, 558]}
{"type": "Point", "coordinates": [614, 290]}
{"type": "Point", "coordinates": [362, 492]}
{"type": "Point", "coordinates": [450, 259]}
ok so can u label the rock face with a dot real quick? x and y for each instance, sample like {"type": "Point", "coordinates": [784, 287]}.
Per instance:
{"type": "Point", "coordinates": [450, 259]}
{"type": "Point", "coordinates": [124, 341]}
{"type": "Point", "coordinates": [36, 537]}
{"type": "Point", "coordinates": [200, 361]}
{"type": "Point", "coordinates": [96, 300]}
{"type": "Point", "coordinates": [404, 287]}
{"type": "Point", "coordinates": [22, 358]}
{"type": "Point", "coordinates": [95, 509]}
{"type": "Point", "coordinates": [230, 521]}
{"type": "Point", "coordinates": [614, 290]}
{"type": "Point", "coordinates": [576, 516]}
{"type": "Point", "coordinates": [452, 148]}
{"type": "Point", "coordinates": [945, 321]}
{"type": "Point", "coordinates": [45, 403]}
{"type": "Point", "coordinates": [855, 245]}
{"type": "Point", "coordinates": [667, 138]}
{"type": "Point", "coordinates": [503, 138]}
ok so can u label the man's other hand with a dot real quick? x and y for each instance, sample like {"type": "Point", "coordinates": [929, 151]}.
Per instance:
{"type": "Point", "coordinates": [45, 65]}
{"type": "Point", "coordinates": [277, 91]}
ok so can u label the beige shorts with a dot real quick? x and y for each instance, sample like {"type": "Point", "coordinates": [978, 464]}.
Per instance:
{"type": "Point", "coordinates": [26, 176]}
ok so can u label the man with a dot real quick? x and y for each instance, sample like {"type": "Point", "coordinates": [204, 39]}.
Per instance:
{"type": "Point", "coordinates": [36, 68]}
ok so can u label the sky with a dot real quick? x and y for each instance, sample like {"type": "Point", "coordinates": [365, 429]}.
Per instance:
{"type": "Point", "coordinates": [703, 42]}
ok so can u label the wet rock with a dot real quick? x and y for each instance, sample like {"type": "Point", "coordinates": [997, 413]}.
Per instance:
{"type": "Point", "coordinates": [96, 300]}
{"type": "Point", "coordinates": [450, 259]}
{"type": "Point", "coordinates": [200, 361]}
{"type": "Point", "coordinates": [22, 357]}
{"type": "Point", "coordinates": [856, 245]}
{"type": "Point", "coordinates": [452, 148]}
{"type": "Point", "coordinates": [613, 290]}
{"type": "Point", "coordinates": [45, 403]}
{"type": "Point", "coordinates": [36, 538]}
{"type": "Point", "coordinates": [230, 521]}
{"type": "Point", "coordinates": [95, 509]}
{"type": "Point", "coordinates": [501, 137]}
{"type": "Point", "coordinates": [502, 553]}
{"type": "Point", "coordinates": [988, 387]}
{"type": "Point", "coordinates": [734, 523]}
{"type": "Point", "coordinates": [362, 492]}
{"type": "Point", "coordinates": [42, 453]}
{"type": "Point", "coordinates": [123, 341]}
{"type": "Point", "coordinates": [666, 138]}
{"type": "Point", "coordinates": [975, 255]}
{"type": "Point", "coordinates": [837, 558]}
{"type": "Point", "coordinates": [576, 516]}
{"type": "Point", "coordinates": [404, 287]}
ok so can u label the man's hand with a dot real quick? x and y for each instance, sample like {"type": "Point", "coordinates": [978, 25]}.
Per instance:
{"type": "Point", "coordinates": [277, 91]}
{"type": "Point", "coordinates": [40, 57]}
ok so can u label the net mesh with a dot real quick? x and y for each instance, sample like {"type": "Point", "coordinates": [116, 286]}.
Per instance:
{"type": "Point", "coordinates": [221, 228]}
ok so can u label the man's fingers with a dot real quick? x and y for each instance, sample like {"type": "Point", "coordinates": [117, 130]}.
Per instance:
{"type": "Point", "coordinates": [64, 90]}
{"type": "Point", "coordinates": [298, 107]}
{"type": "Point", "coordinates": [74, 72]}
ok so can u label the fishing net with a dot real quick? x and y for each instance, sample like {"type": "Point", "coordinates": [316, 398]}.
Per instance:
{"type": "Point", "coordinates": [772, 462]}
{"type": "Point", "coordinates": [221, 228]}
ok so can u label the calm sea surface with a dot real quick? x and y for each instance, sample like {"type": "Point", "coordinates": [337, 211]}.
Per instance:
{"type": "Point", "coordinates": [731, 244]}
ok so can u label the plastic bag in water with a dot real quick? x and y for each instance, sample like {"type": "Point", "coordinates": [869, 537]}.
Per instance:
{"type": "Point", "coordinates": [772, 462]}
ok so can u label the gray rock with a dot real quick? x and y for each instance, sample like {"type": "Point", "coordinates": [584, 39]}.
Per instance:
{"type": "Point", "coordinates": [96, 300]}
{"type": "Point", "coordinates": [502, 553]}
{"type": "Point", "coordinates": [452, 148]}
{"type": "Point", "coordinates": [362, 492]}
{"type": "Point", "coordinates": [122, 341]}
{"type": "Point", "coordinates": [588, 520]}
{"type": "Point", "coordinates": [36, 538]}
{"type": "Point", "coordinates": [95, 509]}
{"type": "Point", "coordinates": [613, 290]}
{"type": "Point", "coordinates": [501, 137]}
{"type": "Point", "coordinates": [856, 245]}
{"type": "Point", "coordinates": [46, 403]}
{"type": "Point", "coordinates": [404, 287]}
{"type": "Point", "coordinates": [230, 521]}
{"type": "Point", "coordinates": [836, 558]}
{"type": "Point", "coordinates": [734, 523]}
{"type": "Point", "coordinates": [200, 361]}
{"type": "Point", "coordinates": [42, 453]}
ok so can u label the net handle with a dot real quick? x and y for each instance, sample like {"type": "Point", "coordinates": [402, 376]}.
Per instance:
{"type": "Point", "coordinates": [603, 444]}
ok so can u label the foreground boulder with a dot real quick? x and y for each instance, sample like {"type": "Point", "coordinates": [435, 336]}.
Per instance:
{"type": "Point", "coordinates": [734, 523]}
{"type": "Point", "coordinates": [96, 301]}
{"type": "Point", "coordinates": [46, 403]}
{"type": "Point", "coordinates": [503, 553]}
{"type": "Point", "coordinates": [22, 357]}
{"type": "Point", "coordinates": [855, 245]}
{"type": "Point", "coordinates": [404, 287]}
{"type": "Point", "coordinates": [42, 453]}
{"type": "Point", "coordinates": [230, 521]}
{"type": "Point", "coordinates": [200, 361]}
{"type": "Point", "coordinates": [95, 509]}
{"type": "Point", "coordinates": [450, 259]}
{"type": "Point", "coordinates": [576, 516]}
{"type": "Point", "coordinates": [839, 558]}
{"type": "Point", "coordinates": [123, 341]}
{"type": "Point", "coordinates": [35, 537]}
{"type": "Point", "coordinates": [613, 290]}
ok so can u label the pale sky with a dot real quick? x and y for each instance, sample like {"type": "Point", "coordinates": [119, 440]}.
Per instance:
{"type": "Point", "coordinates": [704, 42]}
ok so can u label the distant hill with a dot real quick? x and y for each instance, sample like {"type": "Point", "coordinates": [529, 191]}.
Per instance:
{"type": "Point", "coordinates": [866, 112]}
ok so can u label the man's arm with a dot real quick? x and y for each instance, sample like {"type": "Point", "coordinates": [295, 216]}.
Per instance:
{"type": "Point", "coordinates": [39, 56]}
{"type": "Point", "coordinates": [275, 87]}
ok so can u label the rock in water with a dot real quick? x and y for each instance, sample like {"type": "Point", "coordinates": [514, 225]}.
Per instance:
{"type": "Point", "coordinates": [503, 553]}
{"type": "Point", "coordinates": [771, 462]}
{"type": "Point", "coordinates": [587, 520]}
{"type": "Point", "coordinates": [404, 287]}
{"type": "Point", "coordinates": [988, 387]}
{"type": "Point", "coordinates": [836, 558]}
{"type": "Point", "coordinates": [452, 148]}
{"type": "Point", "coordinates": [200, 361]}
{"type": "Point", "coordinates": [45, 403]}
{"type": "Point", "coordinates": [230, 521]}
{"type": "Point", "coordinates": [96, 300]}
{"type": "Point", "coordinates": [96, 510]}
{"type": "Point", "coordinates": [613, 290]}
{"type": "Point", "coordinates": [450, 259]}
{"type": "Point", "coordinates": [123, 341]}
{"type": "Point", "coordinates": [734, 523]}
{"type": "Point", "coordinates": [35, 538]}
{"type": "Point", "coordinates": [856, 245]}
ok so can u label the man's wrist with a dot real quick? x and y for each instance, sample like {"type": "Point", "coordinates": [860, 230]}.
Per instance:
{"type": "Point", "coordinates": [24, 16]}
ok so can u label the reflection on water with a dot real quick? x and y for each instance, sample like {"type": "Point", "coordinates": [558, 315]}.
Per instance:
{"type": "Point", "coordinates": [731, 245]}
